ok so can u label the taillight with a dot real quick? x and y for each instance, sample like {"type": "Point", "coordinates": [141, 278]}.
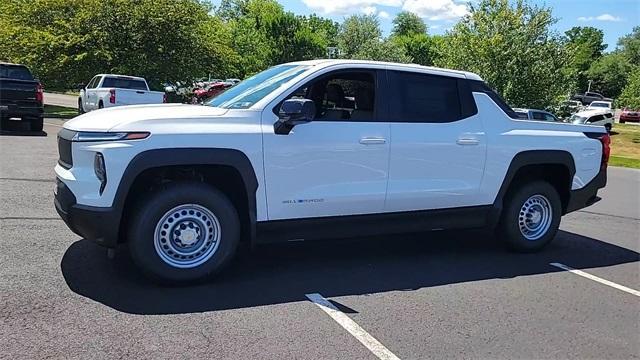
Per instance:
{"type": "Point", "coordinates": [39, 93]}
{"type": "Point", "coordinates": [605, 139]}
{"type": "Point", "coordinates": [164, 98]}
{"type": "Point", "coordinates": [112, 96]}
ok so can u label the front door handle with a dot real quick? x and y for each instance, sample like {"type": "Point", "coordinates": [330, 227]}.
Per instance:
{"type": "Point", "coordinates": [467, 141]}
{"type": "Point", "coordinates": [373, 141]}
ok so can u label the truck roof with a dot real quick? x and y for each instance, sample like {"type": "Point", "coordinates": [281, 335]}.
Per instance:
{"type": "Point", "coordinates": [123, 76]}
{"type": "Point", "coordinates": [428, 69]}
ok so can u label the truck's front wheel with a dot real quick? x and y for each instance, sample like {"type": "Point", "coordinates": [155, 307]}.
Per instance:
{"type": "Point", "coordinates": [531, 216]}
{"type": "Point", "coordinates": [184, 232]}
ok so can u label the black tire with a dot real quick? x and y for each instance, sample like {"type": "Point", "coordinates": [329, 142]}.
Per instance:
{"type": "Point", "coordinates": [509, 227]}
{"type": "Point", "coordinates": [608, 127]}
{"type": "Point", "coordinates": [100, 105]}
{"type": "Point", "coordinates": [622, 121]}
{"type": "Point", "coordinates": [36, 124]}
{"type": "Point", "coordinates": [151, 209]}
{"type": "Point", "coordinates": [80, 108]}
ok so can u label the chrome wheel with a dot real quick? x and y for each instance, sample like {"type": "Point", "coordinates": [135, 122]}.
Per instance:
{"type": "Point", "coordinates": [535, 217]}
{"type": "Point", "coordinates": [187, 236]}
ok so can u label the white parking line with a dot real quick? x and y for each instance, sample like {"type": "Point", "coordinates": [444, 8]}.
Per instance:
{"type": "Point", "coordinates": [595, 278]}
{"type": "Point", "coordinates": [352, 327]}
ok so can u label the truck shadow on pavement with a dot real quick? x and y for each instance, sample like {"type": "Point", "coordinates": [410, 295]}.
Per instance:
{"type": "Point", "coordinates": [278, 274]}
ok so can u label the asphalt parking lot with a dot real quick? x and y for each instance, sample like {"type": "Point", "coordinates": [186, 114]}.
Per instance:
{"type": "Point", "coordinates": [441, 295]}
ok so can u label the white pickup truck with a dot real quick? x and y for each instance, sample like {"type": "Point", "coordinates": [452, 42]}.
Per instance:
{"type": "Point", "coordinates": [108, 90]}
{"type": "Point", "coordinates": [321, 149]}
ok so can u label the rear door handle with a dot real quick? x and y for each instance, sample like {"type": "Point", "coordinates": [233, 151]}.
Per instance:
{"type": "Point", "coordinates": [373, 141]}
{"type": "Point", "coordinates": [468, 141]}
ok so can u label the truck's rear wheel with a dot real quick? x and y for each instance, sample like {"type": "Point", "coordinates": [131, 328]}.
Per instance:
{"type": "Point", "coordinates": [183, 232]}
{"type": "Point", "coordinates": [531, 216]}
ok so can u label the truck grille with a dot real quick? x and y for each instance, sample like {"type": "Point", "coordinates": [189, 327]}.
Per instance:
{"type": "Point", "coordinates": [64, 148]}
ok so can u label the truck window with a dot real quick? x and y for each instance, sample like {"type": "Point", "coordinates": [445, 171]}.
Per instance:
{"type": "Point", "coordinates": [342, 95]}
{"type": "Point", "coordinates": [15, 72]}
{"type": "Point", "coordinates": [417, 97]}
{"type": "Point", "coordinates": [124, 83]}
{"type": "Point", "coordinates": [93, 83]}
{"type": "Point", "coordinates": [538, 116]}
{"type": "Point", "coordinates": [479, 86]}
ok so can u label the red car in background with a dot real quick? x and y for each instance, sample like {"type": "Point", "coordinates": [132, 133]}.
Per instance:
{"type": "Point", "coordinates": [209, 91]}
{"type": "Point", "coordinates": [629, 115]}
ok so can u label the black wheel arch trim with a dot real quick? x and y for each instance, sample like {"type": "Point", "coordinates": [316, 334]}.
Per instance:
{"type": "Point", "coordinates": [189, 157]}
{"type": "Point", "coordinates": [526, 158]}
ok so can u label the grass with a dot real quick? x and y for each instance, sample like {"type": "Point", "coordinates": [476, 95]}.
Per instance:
{"type": "Point", "coordinates": [55, 111]}
{"type": "Point", "coordinates": [625, 146]}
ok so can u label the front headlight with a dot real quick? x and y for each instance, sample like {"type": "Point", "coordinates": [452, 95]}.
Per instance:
{"type": "Point", "coordinates": [85, 136]}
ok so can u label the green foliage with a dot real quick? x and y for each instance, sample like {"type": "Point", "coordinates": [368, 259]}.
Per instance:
{"type": "Point", "coordinates": [382, 51]}
{"type": "Point", "coordinates": [358, 31]}
{"type": "Point", "coordinates": [609, 74]}
{"type": "Point", "coordinates": [67, 42]}
{"type": "Point", "coordinates": [419, 47]}
{"type": "Point", "coordinates": [630, 96]}
{"type": "Point", "coordinates": [512, 47]}
{"type": "Point", "coordinates": [408, 23]}
{"type": "Point", "coordinates": [630, 46]}
{"type": "Point", "coordinates": [585, 45]}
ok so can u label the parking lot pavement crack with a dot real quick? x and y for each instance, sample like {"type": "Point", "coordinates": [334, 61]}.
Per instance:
{"type": "Point", "coordinates": [28, 218]}
{"type": "Point", "coordinates": [30, 180]}
{"type": "Point", "coordinates": [610, 215]}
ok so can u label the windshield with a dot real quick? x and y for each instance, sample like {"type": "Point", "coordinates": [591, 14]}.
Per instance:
{"type": "Point", "coordinates": [255, 88]}
{"type": "Point", "coordinates": [577, 119]}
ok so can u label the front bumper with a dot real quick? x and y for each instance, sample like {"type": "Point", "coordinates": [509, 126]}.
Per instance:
{"type": "Point", "coordinates": [588, 195]}
{"type": "Point", "coordinates": [98, 224]}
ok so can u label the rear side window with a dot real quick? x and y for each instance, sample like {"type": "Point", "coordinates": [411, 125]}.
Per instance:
{"type": "Point", "coordinates": [424, 98]}
{"type": "Point", "coordinates": [479, 86]}
{"type": "Point", "coordinates": [15, 72]}
{"type": "Point", "coordinates": [124, 83]}
{"type": "Point", "coordinates": [595, 118]}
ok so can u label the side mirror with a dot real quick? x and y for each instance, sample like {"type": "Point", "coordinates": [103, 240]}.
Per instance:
{"type": "Point", "coordinates": [294, 112]}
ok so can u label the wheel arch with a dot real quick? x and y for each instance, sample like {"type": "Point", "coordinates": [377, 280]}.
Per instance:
{"type": "Point", "coordinates": [554, 166]}
{"type": "Point", "coordinates": [208, 162]}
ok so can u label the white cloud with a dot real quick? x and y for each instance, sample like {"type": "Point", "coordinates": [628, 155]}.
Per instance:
{"type": "Point", "coordinates": [369, 10]}
{"type": "Point", "coordinates": [429, 9]}
{"type": "Point", "coordinates": [436, 9]}
{"type": "Point", "coordinates": [603, 17]}
{"type": "Point", "coordinates": [347, 7]}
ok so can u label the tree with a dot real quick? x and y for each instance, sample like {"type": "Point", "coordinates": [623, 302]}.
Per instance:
{"type": "Point", "coordinates": [586, 47]}
{"type": "Point", "coordinates": [630, 46]}
{"type": "Point", "coordinates": [513, 49]}
{"type": "Point", "coordinates": [609, 74]}
{"type": "Point", "coordinates": [630, 96]}
{"type": "Point", "coordinates": [382, 51]}
{"type": "Point", "coordinates": [408, 23]}
{"type": "Point", "coordinates": [67, 42]}
{"type": "Point", "coordinates": [357, 31]}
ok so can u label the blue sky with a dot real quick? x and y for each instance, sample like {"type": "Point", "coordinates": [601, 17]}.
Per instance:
{"type": "Point", "coordinates": [615, 17]}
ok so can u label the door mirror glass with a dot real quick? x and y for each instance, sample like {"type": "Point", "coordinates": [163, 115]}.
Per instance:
{"type": "Point", "coordinates": [294, 112]}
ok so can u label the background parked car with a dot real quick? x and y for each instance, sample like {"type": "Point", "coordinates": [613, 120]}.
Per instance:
{"type": "Point", "coordinates": [533, 114]}
{"type": "Point", "coordinates": [568, 108]}
{"type": "Point", "coordinates": [209, 91]}
{"type": "Point", "coordinates": [588, 97]}
{"type": "Point", "coordinates": [594, 117]}
{"type": "Point", "coordinates": [599, 105]}
{"type": "Point", "coordinates": [108, 90]}
{"type": "Point", "coordinates": [21, 96]}
{"type": "Point", "coordinates": [629, 115]}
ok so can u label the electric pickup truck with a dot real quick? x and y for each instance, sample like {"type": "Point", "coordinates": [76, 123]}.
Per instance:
{"type": "Point", "coordinates": [108, 90]}
{"type": "Point", "coordinates": [320, 149]}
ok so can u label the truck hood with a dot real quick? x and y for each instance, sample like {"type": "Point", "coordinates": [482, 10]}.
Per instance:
{"type": "Point", "coordinates": [117, 118]}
